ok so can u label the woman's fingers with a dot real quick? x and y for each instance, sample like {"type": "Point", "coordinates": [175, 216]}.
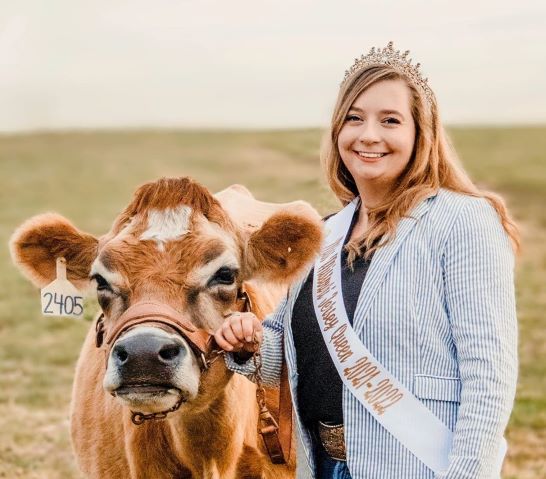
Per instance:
{"type": "Point", "coordinates": [229, 335]}
{"type": "Point", "coordinates": [221, 342]}
{"type": "Point", "coordinates": [239, 331]}
{"type": "Point", "coordinates": [236, 323]}
{"type": "Point", "coordinates": [251, 327]}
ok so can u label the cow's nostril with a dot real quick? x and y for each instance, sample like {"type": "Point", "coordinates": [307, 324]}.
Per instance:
{"type": "Point", "coordinates": [169, 352]}
{"type": "Point", "coordinates": [121, 354]}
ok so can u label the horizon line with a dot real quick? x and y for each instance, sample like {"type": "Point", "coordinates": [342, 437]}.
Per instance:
{"type": "Point", "coordinates": [234, 129]}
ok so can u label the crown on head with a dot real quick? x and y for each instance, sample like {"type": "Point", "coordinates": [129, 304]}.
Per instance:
{"type": "Point", "coordinates": [400, 62]}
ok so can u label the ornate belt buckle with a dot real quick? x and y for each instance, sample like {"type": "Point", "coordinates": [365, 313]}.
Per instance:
{"type": "Point", "coordinates": [332, 438]}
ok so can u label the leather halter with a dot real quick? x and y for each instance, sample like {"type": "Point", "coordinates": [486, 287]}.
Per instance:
{"type": "Point", "coordinates": [199, 340]}
{"type": "Point", "coordinates": [276, 440]}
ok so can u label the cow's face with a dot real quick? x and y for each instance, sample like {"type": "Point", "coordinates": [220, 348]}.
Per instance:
{"type": "Point", "coordinates": [174, 245]}
{"type": "Point", "coordinates": [177, 257]}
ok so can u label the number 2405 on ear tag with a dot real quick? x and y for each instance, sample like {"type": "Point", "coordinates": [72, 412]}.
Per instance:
{"type": "Point", "coordinates": [60, 297]}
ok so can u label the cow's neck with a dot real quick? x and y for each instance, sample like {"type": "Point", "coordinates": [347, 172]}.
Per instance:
{"type": "Point", "coordinates": [213, 434]}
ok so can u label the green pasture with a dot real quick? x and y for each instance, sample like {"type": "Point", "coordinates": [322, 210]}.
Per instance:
{"type": "Point", "coordinates": [89, 177]}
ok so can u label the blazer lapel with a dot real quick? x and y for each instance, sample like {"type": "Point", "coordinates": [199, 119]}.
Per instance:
{"type": "Point", "coordinates": [381, 261]}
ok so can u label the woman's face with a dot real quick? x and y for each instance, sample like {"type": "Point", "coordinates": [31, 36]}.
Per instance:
{"type": "Point", "coordinates": [377, 138]}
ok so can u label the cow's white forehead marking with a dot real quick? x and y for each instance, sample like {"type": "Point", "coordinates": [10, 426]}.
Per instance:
{"type": "Point", "coordinates": [111, 276]}
{"type": "Point", "coordinates": [167, 225]}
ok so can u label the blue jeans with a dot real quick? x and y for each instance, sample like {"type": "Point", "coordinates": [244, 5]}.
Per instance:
{"type": "Point", "coordinates": [328, 468]}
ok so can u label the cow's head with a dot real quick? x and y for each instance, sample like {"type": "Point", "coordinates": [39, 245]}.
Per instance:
{"type": "Point", "coordinates": [176, 245]}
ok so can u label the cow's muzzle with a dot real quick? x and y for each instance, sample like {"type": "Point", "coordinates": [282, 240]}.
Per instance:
{"type": "Point", "coordinates": [150, 368]}
{"type": "Point", "coordinates": [146, 361]}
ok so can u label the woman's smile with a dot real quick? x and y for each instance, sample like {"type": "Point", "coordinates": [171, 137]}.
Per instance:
{"type": "Point", "coordinates": [370, 157]}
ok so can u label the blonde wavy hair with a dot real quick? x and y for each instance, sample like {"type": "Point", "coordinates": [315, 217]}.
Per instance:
{"type": "Point", "coordinates": [433, 165]}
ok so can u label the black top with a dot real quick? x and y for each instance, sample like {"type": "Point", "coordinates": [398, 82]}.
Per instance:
{"type": "Point", "coordinates": [319, 385]}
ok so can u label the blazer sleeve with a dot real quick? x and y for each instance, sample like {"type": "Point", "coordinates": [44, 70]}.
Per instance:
{"type": "Point", "coordinates": [271, 350]}
{"type": "Point", "coordinates": [479, 286]}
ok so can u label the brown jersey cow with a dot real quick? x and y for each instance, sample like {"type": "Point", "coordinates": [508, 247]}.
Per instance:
{"type": "Point", "coordinates": [186, 253]}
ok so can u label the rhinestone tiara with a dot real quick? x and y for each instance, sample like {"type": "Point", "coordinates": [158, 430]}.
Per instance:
{"type": "Point", "coordinates": [400, 62]}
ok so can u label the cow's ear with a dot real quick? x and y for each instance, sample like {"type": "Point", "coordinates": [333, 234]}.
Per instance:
{"type": "Point", "coordinates": [284, 245]}
{"type": "Point", "coordinates": [39, 241]}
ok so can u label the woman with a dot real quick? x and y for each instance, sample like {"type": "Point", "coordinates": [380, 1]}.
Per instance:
{"type": "Point", "coordinates": [427, 296]}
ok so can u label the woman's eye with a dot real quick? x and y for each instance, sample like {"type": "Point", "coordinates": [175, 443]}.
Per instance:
{"type": "Point", "coordinates": [223, 276]}
{"type": "Point", "coordinates": [102, 284]}
{"type": "Point", "coordinates": [391, 121]}
{"type": "Point", "coordinates": [352, 118]}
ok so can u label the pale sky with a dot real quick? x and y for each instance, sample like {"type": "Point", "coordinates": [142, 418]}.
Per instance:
{"type": "Point", "coordinates": [257, 64]}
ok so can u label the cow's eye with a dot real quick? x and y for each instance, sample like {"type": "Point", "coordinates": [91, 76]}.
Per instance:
{"type": "Point", "coordinates": [102, 284]}
{"type": "Point", "coordinates": [224, 275]}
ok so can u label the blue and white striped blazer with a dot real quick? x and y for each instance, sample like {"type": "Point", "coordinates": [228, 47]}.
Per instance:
{"type": "Point", "coordinates": [437, 309]}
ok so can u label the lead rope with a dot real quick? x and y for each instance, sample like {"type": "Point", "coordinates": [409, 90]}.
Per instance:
{"type": "Point", "coordinates": [267, 426]}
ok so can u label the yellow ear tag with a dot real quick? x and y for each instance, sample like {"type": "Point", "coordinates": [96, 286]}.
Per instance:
{"type": "Point", "coordinates": [61, 297]}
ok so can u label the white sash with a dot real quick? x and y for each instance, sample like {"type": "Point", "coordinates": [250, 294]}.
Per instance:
{"type": "Point", "coordinates": [385, 398]}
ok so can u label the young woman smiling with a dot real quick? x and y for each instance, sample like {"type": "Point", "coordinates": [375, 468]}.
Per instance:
{"type": "Point", "coordinates": [410, 371]}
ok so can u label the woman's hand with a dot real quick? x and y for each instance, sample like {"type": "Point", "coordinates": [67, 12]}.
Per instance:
{"type": "Point", "coordinates": [240, 332]}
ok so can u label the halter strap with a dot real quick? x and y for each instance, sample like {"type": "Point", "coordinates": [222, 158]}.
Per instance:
{"type": "Point", "coordinates": [200, 340]}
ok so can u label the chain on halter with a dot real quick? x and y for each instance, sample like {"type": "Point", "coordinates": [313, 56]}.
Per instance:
{"type": "Point", "coordinates": [267, 420]}
{"type": "Point", "coordinates": [139, 418]}
{"type": "Point", "coordinates": [260, 391]}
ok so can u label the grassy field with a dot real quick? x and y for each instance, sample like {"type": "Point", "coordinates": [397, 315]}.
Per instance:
{"type": "Point", "coordinates": [89, 178]}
